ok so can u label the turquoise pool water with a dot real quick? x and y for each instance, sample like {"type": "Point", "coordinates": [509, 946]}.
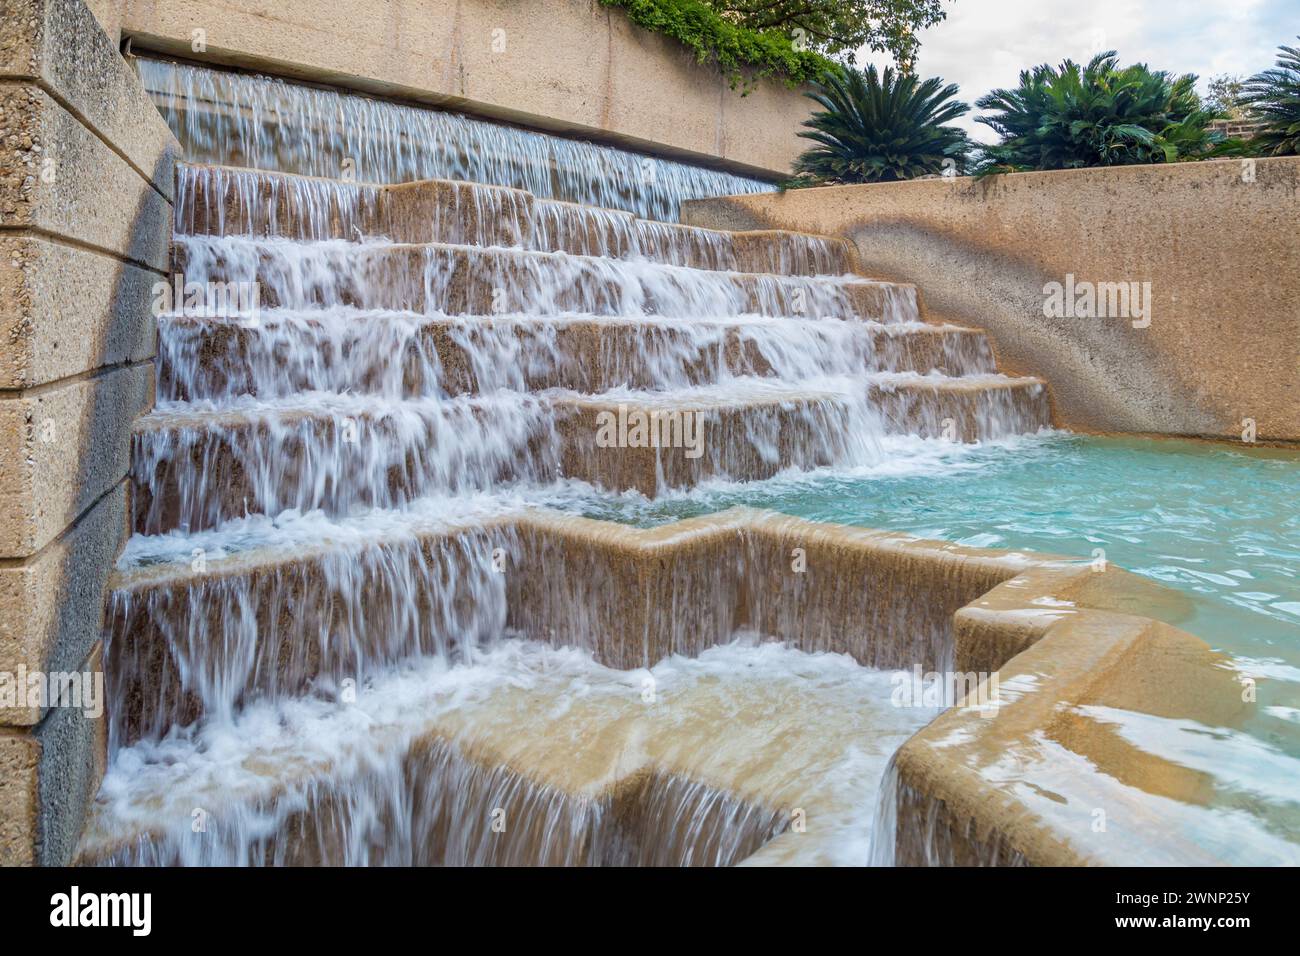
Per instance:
{"type": "Point", "coordinates": [1219, 523]}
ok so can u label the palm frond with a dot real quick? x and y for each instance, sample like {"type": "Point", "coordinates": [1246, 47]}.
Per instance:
{"type": "Point", "coordinates": [1273, 98]}
{"type": "Point", "coordinates": [1101, 114]}
{"type": "Point", "coordinates": [879, 126]}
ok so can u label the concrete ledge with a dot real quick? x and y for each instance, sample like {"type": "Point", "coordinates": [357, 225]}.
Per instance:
{"type": "Point", "coordinates": [609, 807]}
{"type": "Point", "coordinates": [991, 630]}
{"type": "Point", "coordinates": [885, 599]}
{"type": "Point", "coordinates": [66, 310]}
{"type": "Point", "coordinates": [1070, 790]}
{"type": "Point", "coordinates": [52, 607]}
{"type": "Point", "coordinates": [567, 66]}
{"type": "Point", "coordinates": [60, 178]}
{"type": "Point", "coordinates": [228, 200]}
{"type": "Point", "coordinates": [576, 354]}
{"type": "Point", "coordinates": [66, 51]}
{"type": "Point", "coordinates": [1215, 240]}
{"type": "Point", "coordinates": [62, 448]}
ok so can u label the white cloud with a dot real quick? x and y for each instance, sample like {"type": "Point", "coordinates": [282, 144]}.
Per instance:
{"type": "Point", "coordinates": [984, 44]}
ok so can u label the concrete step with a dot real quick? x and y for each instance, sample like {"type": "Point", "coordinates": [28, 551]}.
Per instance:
{"type": "Point", "coordinates": [194, 466]}
{"type": "Point", "coordinates": [205, 624]}
{"type": "Point", "coordinates": [429, 777]}
{"type": "Point", "coordinates": [969, 409]}
{"type": "Point", "coordinates": [265, 609]}
{"type": "Point", "coordinates": [402, 355]}
{"type": "Point", "coordinates": [451, 279]}
{"type": "Point", "coordinates": [433, 792]}
{"type": "Point", "coordinates": [219, 200]}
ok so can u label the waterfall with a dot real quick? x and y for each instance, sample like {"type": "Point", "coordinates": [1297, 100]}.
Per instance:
{"type": "Point", "coordinates": [394, 335]}
{"type": "Point", "coordinates": [263, 123]}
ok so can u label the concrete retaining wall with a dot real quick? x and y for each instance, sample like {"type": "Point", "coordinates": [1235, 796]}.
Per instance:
{"type": "Point", "coordinates": [85, 208]}
{"type": "Point", "coordinates": [1217, 242]}
{"type": "Point", "coordinates": [565, 66]}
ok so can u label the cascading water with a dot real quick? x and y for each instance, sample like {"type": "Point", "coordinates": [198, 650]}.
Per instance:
{"type": "Point", "coordinates": [253, 121]}
{"type": "Point", "coordinates": [313, 626]}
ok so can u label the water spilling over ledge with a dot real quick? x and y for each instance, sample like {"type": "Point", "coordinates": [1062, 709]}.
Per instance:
{"type": "Point", "coordinates": [349, 629]}
{"type": "Point", "coordinates": [258, 122]}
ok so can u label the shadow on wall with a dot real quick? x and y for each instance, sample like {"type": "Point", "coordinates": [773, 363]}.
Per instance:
{"type": "Point", "coordinates": [74, 747]}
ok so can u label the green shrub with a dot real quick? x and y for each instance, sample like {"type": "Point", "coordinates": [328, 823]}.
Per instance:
{"type": "Point", "coordinates": [1099, 115]}
{"type": "Point", "coordinates": [741, 53]}
{"type": "Point", "coordinates": [881, 127]}
{"type": "Point", "coordinates": [840, 28]}
{"type": "Point", "coordinates": [1273, 98]}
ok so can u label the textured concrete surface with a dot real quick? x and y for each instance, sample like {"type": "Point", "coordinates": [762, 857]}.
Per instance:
{"type": "Point", "coordinates": [52, 606]}
{"type": "Point", "coordinates": [65, 310]}
{"type": "Point", "coordinates": [48, 777]}
{"type": "Point", "coordinates": [60, 178]}
{"type": "Point", "coordinates": [1216, 241]}
{"type": "Point", "coordinates": [567, 66]}
{"type": "Point", "coordinates": [60, 39]}
{"type": "Point", "coordinates": [74, 756]}
{"type": "Point", "coordinates": [1045, 784]}
{"type": "Point", "coordinates": [63, 447]}
{"type": "Point", "coordinates": [19, 788]}
{"type": "Point", "coordinates": [109, 15]}
{"type": "Point", "coordinates": [87, 176]}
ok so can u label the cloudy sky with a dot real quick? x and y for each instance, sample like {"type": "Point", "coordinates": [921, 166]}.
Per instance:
{"type": "Point", "coordinates": [983, 44]}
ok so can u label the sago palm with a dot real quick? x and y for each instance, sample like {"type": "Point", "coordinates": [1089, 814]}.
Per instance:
{"type": "Point", "coordinates": [1099, 115]}
{"type": "Point", "coordinates": [1273, 98]}
{"type": "Point", "coordinates": [878, 127]}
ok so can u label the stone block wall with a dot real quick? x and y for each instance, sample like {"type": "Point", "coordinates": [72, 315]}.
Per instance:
{"type": "Point", "coordinates": [86, 180]}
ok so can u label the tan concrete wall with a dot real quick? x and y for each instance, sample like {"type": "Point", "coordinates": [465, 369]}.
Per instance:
{"type": "Point", "coordinates": [86, 179]}
{"type": "Point", "coordinates": [567, 66]}
{"type": "Point", "coordinates": [1216, 240]}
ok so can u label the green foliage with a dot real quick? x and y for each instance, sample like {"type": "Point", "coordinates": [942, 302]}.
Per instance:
{"type": "Point", "coordinates": [839, 28]}
{"type": "Point", "coordinates": [1273, 98]}
{"type": "Point", "coordinates": [881, 127]}
{"type": "Point", "coordinates": [741, 53]}
{"type": "Point", "coordinates": [1073, 117]}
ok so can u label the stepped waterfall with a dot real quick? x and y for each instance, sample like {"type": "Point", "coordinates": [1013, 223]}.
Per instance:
{"type": "Point", "coordinates": [360, 620]}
